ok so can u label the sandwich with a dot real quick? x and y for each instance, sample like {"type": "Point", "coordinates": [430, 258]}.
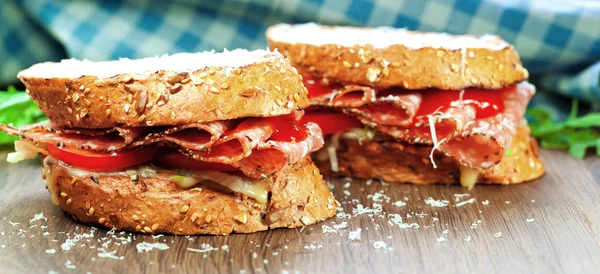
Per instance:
{"type": "Point", "coordinates": [203, 143]}
{"type": "Point", "coordinates": [415, 107]}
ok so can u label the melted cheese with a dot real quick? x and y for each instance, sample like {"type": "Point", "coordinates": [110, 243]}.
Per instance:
{"type": "Point", "coordinates": [332, 143]}
{"type": "Point", "coordinates": [24, 150]}
{"type": "Point", "coordinates": [359, 134]}
{"type": "Point", "coordinates": [332, 152]}
{"type": "Point", "coordinates": [184, 181]}
{"type": "Point", "coordinates": [51, 180]}
{"type": "Point", "coordinates": [256, 189]}
{"type": "Point", "coordinates": [468, 176]}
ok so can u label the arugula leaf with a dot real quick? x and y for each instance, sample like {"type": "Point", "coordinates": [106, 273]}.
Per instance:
{"type": "Point", "coordinates": [590, 120]}
{"type": "Point", "coordinates": [576, 134]}
{"type": "Point", "coordinates": [18, 109]}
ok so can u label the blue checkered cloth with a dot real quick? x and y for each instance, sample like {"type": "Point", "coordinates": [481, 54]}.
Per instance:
{"type": "Point", "coordinates": [559, 42]}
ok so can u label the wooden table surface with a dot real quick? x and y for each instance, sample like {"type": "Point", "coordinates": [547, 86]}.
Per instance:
{"type": "Point", "coordinates": [551, 225]}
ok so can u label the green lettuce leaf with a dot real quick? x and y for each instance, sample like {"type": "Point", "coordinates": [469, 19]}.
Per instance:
{"type": "Point", "coordinates": [18, 109]}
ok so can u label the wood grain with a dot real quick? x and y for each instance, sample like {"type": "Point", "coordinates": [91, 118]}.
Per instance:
{"type": "Point", "coordinates": [551, 225]}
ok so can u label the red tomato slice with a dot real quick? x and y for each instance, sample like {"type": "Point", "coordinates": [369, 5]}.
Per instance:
{"type": "Point", "coordinates": [286, 128]}
{"type": "Point", "coordinates": [331, 122]}
{"type": "Point", "coordinates": [100, 161]}
{"type": "Point", "coordinates": [177, 160]}
{"type": "Point", "coordinates": [487, 102]}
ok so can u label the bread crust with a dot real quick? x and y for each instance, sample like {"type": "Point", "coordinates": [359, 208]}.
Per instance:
{"type": "Point", "coordinates": [399, 65]}
{"type": "Point", "coordinates": [403, 163]}
{"type": "Point", "coordinates": [268, 87]}
{"type": "Point", "coordinates": [299, 197]}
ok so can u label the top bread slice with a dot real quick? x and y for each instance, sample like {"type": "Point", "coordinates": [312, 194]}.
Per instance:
{"type": "Point", "coordinates": [385, 57]}
{"type": "Point", "coordinates": [167, 90]}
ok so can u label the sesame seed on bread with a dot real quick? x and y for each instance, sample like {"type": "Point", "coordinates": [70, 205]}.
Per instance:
{"type": "Point", "coordinates": [167, 90]}
{"type": "Point", "coordinates": [386, 57]}
{"type": "Point", "coordinates": [298, 197]}
{"type": "Point", "coordinates": [404, 163]}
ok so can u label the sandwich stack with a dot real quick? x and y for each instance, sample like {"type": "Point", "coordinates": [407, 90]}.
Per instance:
{"type": "Point", "coordinates": [205, 143]}
{"type": "Point", "coordinates": [414, 107]}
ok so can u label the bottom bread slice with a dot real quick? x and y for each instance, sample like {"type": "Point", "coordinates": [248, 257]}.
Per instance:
{"type": "Point", "coordinates": [400, 162]}
{"type": "Point", "coordinates": [298, 197]}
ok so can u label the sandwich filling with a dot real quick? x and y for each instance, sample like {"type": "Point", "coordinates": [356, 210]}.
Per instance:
{"type": "Point", "coordinates": [251, 149]}
{"type": "Point", "coordinates": [473, 126]}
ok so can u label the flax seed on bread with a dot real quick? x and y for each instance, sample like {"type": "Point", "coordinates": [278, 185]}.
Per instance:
{"type": "Point", "coordinates": [404, 163]}
{"type": "Point", "coordinates": [386, 57]}
{"type": "Point", "coordinates": [167, 90]}
{"type": "Point", "coordinates": [153, 205]}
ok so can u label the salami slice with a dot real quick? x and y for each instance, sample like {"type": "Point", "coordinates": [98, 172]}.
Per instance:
{"type": "Point", "coordinates": [475, 142]}
{"type": "Point", "coordinates": [265, 157]}
{"type": "Point", "coordinates": [272, 156]}
{"type": "Point", "coordinates": [234, 145]}
{"type": "Point", "coordinates": [94, 139]}
{"type": "Point", "coordinates": [197, 136]}
{"type": "Point", "coordinates": [388, 107]}
{"type": "Point", "coordinates": [483, 143]}
{"type": "Point", "coordinates": [448, 124]}
{"type": "Point", "coordinates": [473, 126]}
{"type": "Point", "coordinates": [348, 96]}
{"type": "Point", "coordinates": [193, 136]}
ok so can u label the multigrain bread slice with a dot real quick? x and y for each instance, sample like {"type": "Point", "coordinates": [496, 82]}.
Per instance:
{"type": "Point", "coordinates": [167, 90]}
{"type": "Point", "coordinates": [152, 205]}
{"type": "Point", "coordinates": [386, 57]}
{"type": "Point", "coordinates": [400, 162]}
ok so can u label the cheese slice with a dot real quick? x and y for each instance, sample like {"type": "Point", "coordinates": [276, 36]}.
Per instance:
{"type": "Point", "coordinates": [24, 150]}
{"type": "Point", "coordinates": [256, 189]}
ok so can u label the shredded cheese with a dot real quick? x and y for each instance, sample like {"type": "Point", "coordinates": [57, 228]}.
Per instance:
{"type": "Point", "coordinates": [379, 37]}
{"type": "Point", "coordinates": [436, 144]}
{"type": "Point", "coordinates": [146, 247]}
{"type": "Point", "coordinates": [181, 62]}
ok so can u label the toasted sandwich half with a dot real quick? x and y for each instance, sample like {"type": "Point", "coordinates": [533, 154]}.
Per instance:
{"type": "Point", "coordinates": [414, 107]}
{"type": "Point", "coordinates": [205, 143]}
